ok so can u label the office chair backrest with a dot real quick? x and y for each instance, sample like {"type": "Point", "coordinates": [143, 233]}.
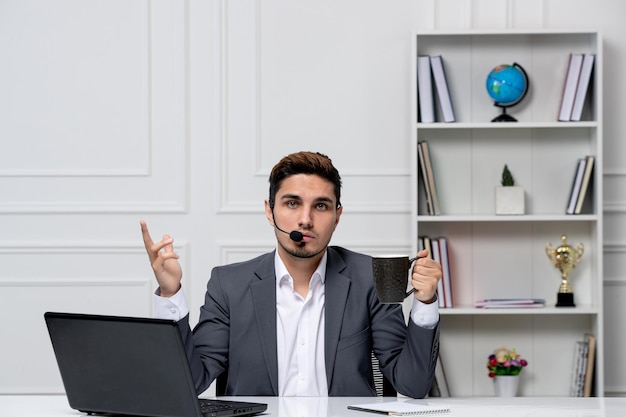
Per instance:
{"type": "Point", "coordinates": [382, 385]}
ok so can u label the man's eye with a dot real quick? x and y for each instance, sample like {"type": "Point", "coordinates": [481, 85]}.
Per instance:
{"type": "Point", "coordinates": [292, 204]}
{"type": "Point", "coordinates": [322, 206]}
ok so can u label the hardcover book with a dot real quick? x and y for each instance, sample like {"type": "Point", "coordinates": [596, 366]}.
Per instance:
{"type": "Point", "coordinates": [569, 87]}
{"type": "Point", "coordinates": [443, 91]}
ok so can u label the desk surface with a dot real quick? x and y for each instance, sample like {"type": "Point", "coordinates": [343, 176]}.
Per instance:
{"type": "Point", "coordinates": [57, 406]}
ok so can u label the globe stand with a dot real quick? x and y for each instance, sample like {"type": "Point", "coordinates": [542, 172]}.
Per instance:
{"type": "Point", "coordinates": [504, 117]}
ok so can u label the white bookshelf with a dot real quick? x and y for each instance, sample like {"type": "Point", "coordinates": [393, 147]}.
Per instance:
{"type": "Point", "coordinates": [504, 256]}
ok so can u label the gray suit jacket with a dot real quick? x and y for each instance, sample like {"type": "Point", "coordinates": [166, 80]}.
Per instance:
{"type": "Point", "coordinates": [236, 332]}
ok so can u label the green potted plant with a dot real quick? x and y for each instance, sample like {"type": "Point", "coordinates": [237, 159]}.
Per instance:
{"type": "Point", "coordinates": [509, 197]}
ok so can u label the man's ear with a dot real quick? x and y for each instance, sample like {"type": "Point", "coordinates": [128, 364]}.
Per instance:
{"type": "Point", "coordinates": [269, 206]}
{"type": "Point", "coordinates": [339, 211]}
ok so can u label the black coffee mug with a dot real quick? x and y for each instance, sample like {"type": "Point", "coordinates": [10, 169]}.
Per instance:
{"type": "Point", "coordinates": [391, 277]}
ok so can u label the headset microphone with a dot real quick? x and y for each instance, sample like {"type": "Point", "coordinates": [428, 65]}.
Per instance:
{"type": "Point", "coordinates": [294, 235]}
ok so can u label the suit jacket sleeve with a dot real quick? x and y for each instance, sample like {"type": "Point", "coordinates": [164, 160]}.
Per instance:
{"type": "Point", "coordinates": [236, 332]}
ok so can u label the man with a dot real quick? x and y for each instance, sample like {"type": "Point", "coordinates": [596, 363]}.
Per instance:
{"type": "Point", "coordinates": [303, 319]}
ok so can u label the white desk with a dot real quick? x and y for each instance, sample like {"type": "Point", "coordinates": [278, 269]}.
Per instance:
{"type": "Point", "coordinates": [56, 406]}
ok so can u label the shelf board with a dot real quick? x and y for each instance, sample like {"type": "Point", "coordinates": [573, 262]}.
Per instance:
{"type": "Point", "coordinates": [501, 33]}
{"type": "Point", "coordinates": [517, 125]}
{"type": "Point", "coordinates": [468, 218]}
{"type": "Point", "coordinates": [472, 311]}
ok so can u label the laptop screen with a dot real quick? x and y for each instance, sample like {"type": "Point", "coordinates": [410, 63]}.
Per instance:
{"type": "Point", "coordinates": [124, 365]}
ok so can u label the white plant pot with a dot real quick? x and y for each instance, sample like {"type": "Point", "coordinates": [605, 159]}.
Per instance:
{"type": "Point", "coordinates": [510, 200]}
{"type": "Point", "coordinates": [506, 385]}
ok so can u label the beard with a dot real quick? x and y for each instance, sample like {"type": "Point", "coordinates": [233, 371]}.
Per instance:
{"type": "Point", "coordinates": [302, 250]}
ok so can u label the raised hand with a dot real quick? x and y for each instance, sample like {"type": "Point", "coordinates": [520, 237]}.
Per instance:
{"type": "Point", "coordinates": [164, 262]}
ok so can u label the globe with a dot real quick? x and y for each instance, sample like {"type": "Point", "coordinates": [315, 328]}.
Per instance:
{"type": "Point", "coordinates": [507, 85]}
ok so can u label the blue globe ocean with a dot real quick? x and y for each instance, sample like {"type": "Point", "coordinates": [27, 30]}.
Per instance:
{"type": "Point", "coordinates": [506, 84]}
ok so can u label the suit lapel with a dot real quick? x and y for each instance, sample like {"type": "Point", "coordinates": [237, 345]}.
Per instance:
{"type": "Point", "coordinates": [263, 290]}
{"type": "Point", "coordinates": [336, 294]}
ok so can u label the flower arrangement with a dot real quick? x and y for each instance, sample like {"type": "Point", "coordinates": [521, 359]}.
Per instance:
{"type": "Point", "coordinates": [505, 362]}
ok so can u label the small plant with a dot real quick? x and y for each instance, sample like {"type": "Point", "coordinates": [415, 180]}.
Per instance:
{"type": "Point", "coordinates": [507, 177]}
{"type": "Point", "coordinates": [505, 362]}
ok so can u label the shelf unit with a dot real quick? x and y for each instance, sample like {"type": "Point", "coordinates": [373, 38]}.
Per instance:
{"type": "Point", "coordinates": [496, 256]}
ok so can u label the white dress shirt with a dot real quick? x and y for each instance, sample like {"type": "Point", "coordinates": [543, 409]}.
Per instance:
{"type": "Point", "coordinates": [300, 334]}
{"type": "Point", "coordinates": [300, 329]}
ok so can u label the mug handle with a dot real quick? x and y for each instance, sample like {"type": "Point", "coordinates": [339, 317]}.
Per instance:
{"type": "Point", "coordinates": [411, 267]}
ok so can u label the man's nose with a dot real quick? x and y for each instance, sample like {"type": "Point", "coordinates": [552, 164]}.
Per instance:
{"type": "Point", "coordinates": [305, 219]}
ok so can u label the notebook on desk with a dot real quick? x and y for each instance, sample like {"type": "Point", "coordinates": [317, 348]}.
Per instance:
{"type": "Point", "coordinates": [400, 408]}
{"type": "Point", "coordinates": [130, 366]}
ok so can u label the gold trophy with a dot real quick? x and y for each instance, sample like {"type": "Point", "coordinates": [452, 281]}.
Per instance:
{"type": "Point", "coordinates": [565, 258]}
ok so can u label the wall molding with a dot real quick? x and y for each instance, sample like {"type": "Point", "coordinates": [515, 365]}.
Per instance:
{"type": "Point", "coordinates": [614, 207]}
{"type": "Point", "coordinates": [119, 207]}
{"type": "Point", "coordinates": [163, 40]}
{"type": "Point", "coordinates": [55, 282]}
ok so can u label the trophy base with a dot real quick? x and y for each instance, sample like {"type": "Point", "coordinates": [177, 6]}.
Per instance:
{"type": "Point", "coordinates": [565, 300]}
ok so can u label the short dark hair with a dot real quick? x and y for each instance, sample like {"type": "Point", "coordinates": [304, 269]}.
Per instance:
{"type": "Point", "coordinates": [313, 163]}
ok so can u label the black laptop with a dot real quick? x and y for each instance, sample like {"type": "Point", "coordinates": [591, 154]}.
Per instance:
{"type": "Point", "coordinates": [130, 366]}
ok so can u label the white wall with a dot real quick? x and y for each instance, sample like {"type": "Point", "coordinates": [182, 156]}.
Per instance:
{"type": "Point", "coordinates": [174, 111]}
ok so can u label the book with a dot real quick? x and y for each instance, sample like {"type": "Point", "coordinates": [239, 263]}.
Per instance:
{"type": "Point", "coordinates": [441, 86]}
{"type": "Point", "coordinates": [510, 303]}
{"type": "Point", "coordinates": [441, 289]}
{"type": "Point", "coordinates": [425, 243]}
{"type": "Point", "coordinates": [425, 90]}
{"type": "Point", "coordinates": [585, 185]}
{"type": "Point", "coordinates": [445, 266]}
{"type": "Point", "coordinates": [575, 191]}
{"type": "Point", "coordinates": [430, 176]}
{"type": "Point", "coordinates": [582, 87]}
{"type": "Point", "coordinates": [591, 357]}
{"type": "Point", "coordinates": [581, 352]}
{"type": "Point", "coordinates": [400, 408]}
{"type": "Point", "coordinates": [569, 87]}
{"type": "Point", "coordinates": [423, 175]}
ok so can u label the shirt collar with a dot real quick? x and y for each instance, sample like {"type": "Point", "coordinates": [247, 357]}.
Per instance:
{"type": "Point", "coordinates": [281, 270]}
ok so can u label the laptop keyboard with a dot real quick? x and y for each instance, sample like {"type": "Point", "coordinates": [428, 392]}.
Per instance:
{"type": "Point", "coordinates": [210, 407]}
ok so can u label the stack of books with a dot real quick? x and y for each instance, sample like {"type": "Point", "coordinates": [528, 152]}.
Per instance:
{"type": "Point", "coordinates": [510, 303]}
{"type": "Point", "coordinates": [427, 178]}
{"type": "Point", "coordinates": [583, 367]}
{"type": "Point", "coordinates": [580, 185]}
{"type": "Point", "coordinates": [575, 87]}
{"type": "Point", "coordinates": [430, 70]}
{"type": "Point", "coordinates": [439, 251]}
